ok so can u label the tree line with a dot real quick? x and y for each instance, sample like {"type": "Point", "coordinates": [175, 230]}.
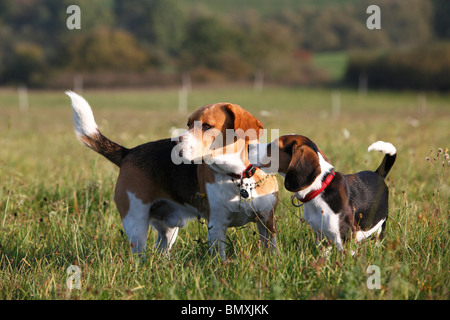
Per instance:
{"type": "Point", "coordinates": [158, 40]}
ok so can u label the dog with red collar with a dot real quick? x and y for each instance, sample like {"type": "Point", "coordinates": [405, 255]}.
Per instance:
{"type": "Point", "coordinates": [159, 186]}
{"type": "Point", "coordinates": [337, 206]}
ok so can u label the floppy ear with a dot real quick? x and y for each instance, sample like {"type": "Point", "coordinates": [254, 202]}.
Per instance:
{"type": "Point", "coordinates": [303, 168]}
{"type": "Point", "coordinates": [244, 120]}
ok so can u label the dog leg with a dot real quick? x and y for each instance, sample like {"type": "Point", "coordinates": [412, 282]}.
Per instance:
{"type": "Point", "coordinates": [136, 224]}
{"type": "Point", "coordinates": [166, 236]}
{"type": "Point", "coordinates": [266, 231]}
{"type": "Point", "coordinates": [217, 236]}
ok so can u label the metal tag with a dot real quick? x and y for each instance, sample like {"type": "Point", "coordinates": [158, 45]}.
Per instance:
{"type": "Point", "coordinates": [244, 193]}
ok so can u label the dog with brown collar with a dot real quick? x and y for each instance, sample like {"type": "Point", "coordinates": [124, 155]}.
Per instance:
{"type": "Point", "coordinates": [165, 183]}
{"type": "Point", "coordinates": [337, 206]}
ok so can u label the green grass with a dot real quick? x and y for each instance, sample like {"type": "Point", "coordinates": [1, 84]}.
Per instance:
{"type": "Point", "coordinates": [57, 209]}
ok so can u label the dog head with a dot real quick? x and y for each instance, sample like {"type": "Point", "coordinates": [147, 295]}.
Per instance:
{"type": "Point", "coordinates": [219, 132]}
{"type": "Point", "coordinates": [296, 157]}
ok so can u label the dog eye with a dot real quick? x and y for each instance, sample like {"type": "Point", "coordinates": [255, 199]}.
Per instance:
{"type": "Point", "coordinates": [206, 126]}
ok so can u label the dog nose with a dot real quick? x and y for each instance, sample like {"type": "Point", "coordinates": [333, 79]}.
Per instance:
{"type": "Point", "coordinates": [178, 139]}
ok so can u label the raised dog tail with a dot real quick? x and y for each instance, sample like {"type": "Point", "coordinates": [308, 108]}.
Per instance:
{"type": "Point", "coordinates": [87, 131]}
{"type": "Point", "coordinates": [390, 154]}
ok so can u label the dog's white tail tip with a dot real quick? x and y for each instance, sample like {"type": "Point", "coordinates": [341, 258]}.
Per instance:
{"type": "Point", "coordinates": [83, 118]}
{"type": "Point", "coordinates": [384, 147]}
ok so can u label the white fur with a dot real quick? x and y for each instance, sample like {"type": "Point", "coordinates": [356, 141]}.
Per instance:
{"type": "Point", "coordinates": [384, 147]}
{"type": "Point", "coordinates": [191, 146]}
{"type": "Point", "coordinates": [83, 117]}
{"type": "Point", "coordinates": [227, 163]}
{"type": "Point", "coordinates": [136, 222]}
{"type": "Point", "coordinates": [323, 220]}
{"type": "Point", "coordinates": [228, 209]}
{"type": "Point", "coordinates": [361, 235]}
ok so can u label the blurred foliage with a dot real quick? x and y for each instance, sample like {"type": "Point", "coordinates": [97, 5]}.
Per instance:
{"type": "Point", "coordinates": [106, 49]}
{"type": "Point", "coordinates": [159, 22]}
{"type": "Point", "coordinates": [201, 38]}
{"type": "Point", "coordinates": [26, 64]}
{"type": "Point", "coordinates": [423, 68]}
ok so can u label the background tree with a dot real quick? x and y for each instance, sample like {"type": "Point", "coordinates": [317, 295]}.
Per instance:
{"type": "Point", "coordinates": [159, 23]}
{"type": "Point", "coordinates": [441, 15]}
{"type": "Point", "coordinates": [106, 49]}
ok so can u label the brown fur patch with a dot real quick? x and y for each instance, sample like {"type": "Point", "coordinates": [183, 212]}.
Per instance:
{"type": "Point", "coordinates": [133, 179]}
{"type": "Point", "coordinates": [266, 183]}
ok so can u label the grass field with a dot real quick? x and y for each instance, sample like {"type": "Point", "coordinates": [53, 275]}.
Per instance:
{"type": "Point", "coordinates": [57, 209]}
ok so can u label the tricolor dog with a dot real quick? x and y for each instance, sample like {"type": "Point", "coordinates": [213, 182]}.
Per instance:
{"type": "Point", "coordinates": [155, 188]}
{"type": "Point", "coordinates": [335, 205]}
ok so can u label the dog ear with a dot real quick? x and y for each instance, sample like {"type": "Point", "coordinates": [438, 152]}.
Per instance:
{"type": "Point", "coordinates": [303, 168]}
{"type": "Point", "coordinates": [245, 124]}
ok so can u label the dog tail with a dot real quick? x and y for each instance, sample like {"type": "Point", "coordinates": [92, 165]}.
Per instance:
{"type": "Point", "coordinates": [390, 154]}
{"type": "Point", "coordinates": [87, 131]}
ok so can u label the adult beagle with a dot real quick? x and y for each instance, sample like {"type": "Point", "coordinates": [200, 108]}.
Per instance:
{"type": "Point", "coordinates": [335, 205]}
{"type": "Point", "coordinates": [158, 184]}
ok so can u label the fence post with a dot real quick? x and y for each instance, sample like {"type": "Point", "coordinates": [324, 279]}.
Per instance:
{"type": "Point", "coordinates": [182, 100]}
{"type": "Point", "coordinates": [22, 92]}
{"type": "Point", "coordinates": [259, 81]}
{"type": "Point", "coordinates": [422, 103]}
{"type": "Point", "coordinates": [336, 103]}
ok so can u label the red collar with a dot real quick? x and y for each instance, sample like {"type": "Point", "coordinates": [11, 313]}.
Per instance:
{"type": "Point", "coordinates": [315, 193]}
{"type": "Point", "coordinates": [248, 173]}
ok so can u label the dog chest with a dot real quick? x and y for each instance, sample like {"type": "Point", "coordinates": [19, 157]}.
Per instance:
{"type": "Point", "coordinates": [321, 218]}
{"type": "Point", "coordinates": [225, 199]}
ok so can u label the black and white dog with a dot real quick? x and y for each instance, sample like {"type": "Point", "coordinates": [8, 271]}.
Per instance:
{"type": "Point", "coordinates": [336, 205]}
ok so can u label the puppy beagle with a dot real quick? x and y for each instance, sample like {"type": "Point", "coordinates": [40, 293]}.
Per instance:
{"type": "Point", "coordinates": [158, 184]}
{"type": "Point", "coordinates": [335, 205]}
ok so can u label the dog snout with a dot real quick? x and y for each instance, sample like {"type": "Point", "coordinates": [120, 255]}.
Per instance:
{"type": "Point", "coordinates": [180, 139]}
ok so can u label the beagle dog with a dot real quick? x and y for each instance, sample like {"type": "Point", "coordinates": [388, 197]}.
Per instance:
{"type": "Point", "coordinates": [335, 205]}
{"type": "Point", "coordinates": [161, 185]}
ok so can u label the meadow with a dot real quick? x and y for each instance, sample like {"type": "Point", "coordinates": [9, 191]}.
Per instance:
{"type": "Point", "coordinates": [57, 208]}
